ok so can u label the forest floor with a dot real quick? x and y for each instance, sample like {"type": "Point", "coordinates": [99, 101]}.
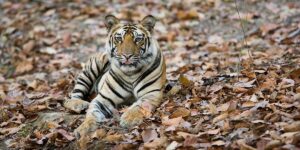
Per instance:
{"type": "Point", "coordinates": [233, 71]}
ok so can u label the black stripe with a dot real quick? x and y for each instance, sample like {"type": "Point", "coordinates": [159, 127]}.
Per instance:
{"type": "Point", "coordinates": [149, 83]}
{"type": "Point", "coordinates": [108, 99]}
{"type": "Point", "coordinates": [137, 71]}
{"type": "Point", "coordinates": [79, 91]}
{"type": "Point", "coordinates": [156, 90]}
{"type": "Point", "coordinates": [97, 66]}
{"type": "Point", "coordinates": [92, 70]}
{"type": "Point", "coordinates": [148, 40]}
{"type": "Point", "coordinates": [112, 51]}
{"type": "Point", "coordinates": [100, 74]}
{"type": "Point", "coordinates": [78, 82]}
{"type": "Point", "coordinates": [143, 50]}
{"type": "Point", "coordinates": [110, 41]}
{"type": "Point", "coordinates": [119, 81]}
{"type": "Point", "coordinates": [114, 91]}
{"type": "Point", "coordinates": [88, 76]}
{"type": "Point", "coordinates": [106, 65]}
{"type": "Point", "coordinates": [82, 81]}
{"type": "Point", "coordinates": [103, 109]}
{"type": "Point", "coordinates": [157, 62]}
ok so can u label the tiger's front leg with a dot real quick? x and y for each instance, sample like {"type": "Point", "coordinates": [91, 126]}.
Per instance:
{"type": "Point", "coordinates": [141, 109]}
{"type": "Point", "coordinates": [98, 111]}
{"type": "Point", "coordinates": [149, 94]}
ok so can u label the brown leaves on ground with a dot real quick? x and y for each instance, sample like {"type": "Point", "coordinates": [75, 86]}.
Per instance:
{"type": "Point", "coordinates": [225, 91]}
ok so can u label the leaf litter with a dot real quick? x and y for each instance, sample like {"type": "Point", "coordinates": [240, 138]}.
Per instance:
{"type": "Point", "coordinates": [217, 96]}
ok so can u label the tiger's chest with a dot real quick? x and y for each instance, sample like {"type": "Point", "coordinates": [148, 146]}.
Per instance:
{"type": "Point", "coordinates": [116, 88]}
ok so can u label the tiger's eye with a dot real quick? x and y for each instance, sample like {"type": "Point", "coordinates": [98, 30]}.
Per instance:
{"type": "Point", "coordinates": [138, 39]}
{"type": "Point", "coordinates": [118, 38]}
{"type": "Point", "coordinates": [142, 52]}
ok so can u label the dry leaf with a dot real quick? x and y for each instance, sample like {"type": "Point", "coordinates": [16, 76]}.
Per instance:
{"type": "Point", "coordinates": [218, 143]}
{"type": "Point", "coordinates": [212, 108]}
{"type": "Point", "coordinates": [185, 134]}
{"type": "Point", "coordinates": [159, 142]}
{"type": "Point", "coordinates": [248, 104]}
{"type": "Point", "coordinates": [245, 84]}
{"type": "Point", "coordinates": [220, 117]}
{"type": "Point", "coordinates": [295, 75]}
{"type": "Point", "coordinates": [148, 135]}
{"type": "Point", "coordinates": [113, 138]}
{"type": "Point", "coordinates": [67, 39]}
{"type": "Point", "coordinates": [186, 15]}
{"type": "Point", "coordinates": [295, 126]}
{"type": "Point", "coordinates": [190, 141]}
{"type": "Point", "coordinates": [28, 46]}
{"type": "Point", "coordinates": [273, 144]}
{"type": "Point", "coordinates": [24, 66]}
{"type": "Point", "coordinates": [171, 122]}
{"type": "Point", "coordinates": [172, 146]}
{"type": "Point", "coordinates": [184, 81]}
{"type": "Point", "coordinates": [213, 132]}
{"type": "Point", "coordinates": [65, 134]}
{"type": "Point", "coordinates": [268, 27]}
{"type": "Point", "coordinates": [180, 112]}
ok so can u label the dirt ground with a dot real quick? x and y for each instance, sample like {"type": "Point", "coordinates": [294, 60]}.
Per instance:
{"type": "Point", "coordinates": [233, 69]}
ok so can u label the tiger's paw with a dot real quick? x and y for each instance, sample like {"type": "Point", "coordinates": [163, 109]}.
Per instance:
{"type": "Point", "coordinates": [132, 117]}
{"type": "Point", "coordinates": [88, 126]}
{"type": "Point", "coordinates": [76, 105]}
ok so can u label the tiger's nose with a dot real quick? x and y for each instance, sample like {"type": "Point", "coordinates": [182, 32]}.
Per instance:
{"type": "Point", "coordinates": [127, 56]}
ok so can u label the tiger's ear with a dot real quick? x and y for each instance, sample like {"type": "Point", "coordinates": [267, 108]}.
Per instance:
{"type": "Point", "coordinates": [149, 22]}
{"type": "Point", "coordinates": [110, 21]}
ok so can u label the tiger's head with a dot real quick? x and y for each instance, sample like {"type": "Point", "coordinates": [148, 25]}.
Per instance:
{"type": "Point", "coordinates": [130, 46]}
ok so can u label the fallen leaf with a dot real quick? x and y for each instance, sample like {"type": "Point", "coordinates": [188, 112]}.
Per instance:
{"type": "Point", "coordinates": [24, 66]}
{"type": "Point", "coordinates": [273, 144]}
{"type": "Point", "coordinates": [159, 142]}
{"type": "Point", "coordinates": [28, 46]}
{"type": "Point", "coordinates": [48, 50]}
{"type": "Point", "coordinates": [295, 75]}
{"type": "Point", "coordinates": [220, 117]}
{"type": "Point", "coordinates": [172, 146]}
{"type": "Point", "coordinates": [171, 122]}
{"type": "Point", "coordinates": [65, 134]}
{"type": "Point", "coordinates": [184, 81]}
{"type": "Point", "coordinates": [190, 141]}
{"type": "Point", "coordinates": [186, 15]}
{"type": "Point", "coordinates": [212, 108]}
{"type": "Point", "coordinates": [148, 135]}
{"type": "Point", "coordinates": [268, 27]}
{"type": "Point", "coordinates": [245, 84]}
{"type": "Point", "coordinates": [218, 143]}
{"type": "Point", "coordinates": [293, 127]}
{"type": "Point", "coordinates": [213, 132]}
{"type": "Point", "coordinates": [66, 39]}
{"type": "Point", "coordinates": [248, 104]}
{"type": "Point", "coordinates": [113, 138]}
{"type": "Point", "coordinates": [180, 112]}
{"type": "Point", "coordinates": [185, 134]}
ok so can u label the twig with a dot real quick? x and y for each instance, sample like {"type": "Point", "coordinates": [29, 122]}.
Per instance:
{"type": "Point", "coordinates": [243, 29]}
{"type": "Point", "coordinates": [245, 43]}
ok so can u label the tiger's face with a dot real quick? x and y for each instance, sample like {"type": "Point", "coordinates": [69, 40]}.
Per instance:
{"type": "Point", "coordinates": [130, 45]}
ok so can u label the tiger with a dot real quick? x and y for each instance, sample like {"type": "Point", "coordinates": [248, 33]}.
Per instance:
{"type": "Point", "coordinates": [131, 71]}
